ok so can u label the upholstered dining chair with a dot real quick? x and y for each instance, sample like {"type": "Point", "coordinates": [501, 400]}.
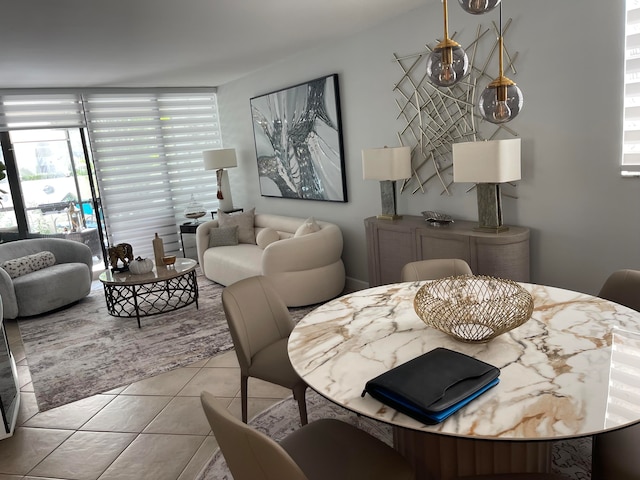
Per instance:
{"type": "Point", "coordinates": [623, 287]}
{"type": "Point", "coordinates": [434, 269]}
{"type": "Point", "coordinates": [260, 325]}
{"type": "Point", "coordinates": [323, 449]}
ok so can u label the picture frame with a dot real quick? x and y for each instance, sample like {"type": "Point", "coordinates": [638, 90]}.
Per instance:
{"type": "Point", "coordinates": [298, 139]}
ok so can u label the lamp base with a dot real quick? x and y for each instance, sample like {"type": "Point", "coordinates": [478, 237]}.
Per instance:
{"type": "Point", "coordinates": [384, 216]}
{"type": "Point", "coordinates": [489, 208]}
{"type": "Point", "coordinates": [224, 190]}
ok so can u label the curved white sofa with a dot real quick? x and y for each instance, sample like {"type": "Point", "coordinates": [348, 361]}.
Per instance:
{"type": "Point", "coordinates": [305, 270]}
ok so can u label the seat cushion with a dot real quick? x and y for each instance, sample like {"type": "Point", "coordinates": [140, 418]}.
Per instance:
{"type": "Point", "coordinates": [56, 286]}
{"type": "Point", "coordinates": [347, 453]}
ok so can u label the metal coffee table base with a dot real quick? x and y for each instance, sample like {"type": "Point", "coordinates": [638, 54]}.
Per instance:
{"type": "Point", "coordinates": [143, 300]}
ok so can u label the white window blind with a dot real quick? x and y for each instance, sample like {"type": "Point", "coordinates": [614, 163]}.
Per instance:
{"type": "Point", "coordinates": [40, 110]}
{"type": "Point", "coordinates": [631, 131]}
{"type": "Point", "coordinates": [147, 149]}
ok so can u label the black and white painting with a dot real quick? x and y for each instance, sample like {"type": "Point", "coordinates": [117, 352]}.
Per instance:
{"type": "Point", "coordinates": [298, 140]}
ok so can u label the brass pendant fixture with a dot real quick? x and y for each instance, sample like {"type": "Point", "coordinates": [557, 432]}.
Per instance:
{"type": "Point", "coordinates": [502, 100]}
{"type": "Point", "coordinates": [448, 62]}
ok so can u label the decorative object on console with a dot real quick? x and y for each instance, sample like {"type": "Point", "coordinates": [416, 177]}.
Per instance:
{"type": "Point", "coordinates": [487, 164]}
{"type": "Point", "coordinates": [194, 210]}
{"type": "Point", "coordinates": [122, 252]}
{"type": "Point", "coordinates": [218, 160]}
{"type": "Point", "coordinates": [448, 62]}
{"type": "Point", "coordinates": [436, 219]}
{"type": "Point", "coordinates": [478, 7]}
{"type": "Point", "coordinates": [140, 266]}
{"type": "Point", "coordinates": [502, 100]}
{"type": "Point", "coordinates": [298, 138]}
{"type": "Point", "coordinates": [387, 165]}
{"type": "Point", "coordinates": [473, 308]}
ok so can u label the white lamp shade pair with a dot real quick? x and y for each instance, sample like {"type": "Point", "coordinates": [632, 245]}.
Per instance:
{"type": "Point", "coordinates": [219, 158]}
{"type": "Point", "coordinates": [494, 161]}
{"type": "Point", "coordinates": [386, 163]}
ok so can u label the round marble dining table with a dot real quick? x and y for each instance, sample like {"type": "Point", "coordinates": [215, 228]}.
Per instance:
{"type": "Point", "coordinates": [571, 370]}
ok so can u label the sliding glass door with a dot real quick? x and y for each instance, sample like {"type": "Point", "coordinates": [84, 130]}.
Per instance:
{"type": "Point", "coordinates": [53, 193]}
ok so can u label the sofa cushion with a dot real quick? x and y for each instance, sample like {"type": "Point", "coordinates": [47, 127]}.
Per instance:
{"type": "Point", "coordinates": [223, 236]}
{"type": "Point", "coordinates": [244, 221]}
{"type": "Point", "coordinates": [309, 226]}
{"type": "Point", "coordinates": [266, 236]}
{"type": "Point", "coordinates": [17, 267]}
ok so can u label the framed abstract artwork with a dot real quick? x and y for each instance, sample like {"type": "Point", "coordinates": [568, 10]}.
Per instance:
{"type": "Point", "coordinates": [298, 138]}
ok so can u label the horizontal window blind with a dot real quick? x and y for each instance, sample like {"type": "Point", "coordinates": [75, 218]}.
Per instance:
{"type": "Point", "coordinates": [40, 110]}
{"type": "Point", "coordinates": [631, 130]}
{"type": "Point", "coordinates": [147, 150]}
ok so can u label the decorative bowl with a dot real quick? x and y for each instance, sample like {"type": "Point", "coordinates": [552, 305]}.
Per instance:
{"type": "Point", "coordinates": [473, 308]}
{"type": "Point", "coordinates": [169, 260]}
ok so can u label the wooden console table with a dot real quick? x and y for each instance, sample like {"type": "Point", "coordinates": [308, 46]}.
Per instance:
{"type": "Point", "coordinates": [393, 243]}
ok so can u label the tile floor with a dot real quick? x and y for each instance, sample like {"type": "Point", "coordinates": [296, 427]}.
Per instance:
{"type": "Point", "coordinates": [152, 429]}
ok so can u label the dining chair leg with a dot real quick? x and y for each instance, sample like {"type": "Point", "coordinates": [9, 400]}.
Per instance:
{"type": "Point", "coordinates": [244, 380]}
{"type": "Point", "coordinates": [299, 394]}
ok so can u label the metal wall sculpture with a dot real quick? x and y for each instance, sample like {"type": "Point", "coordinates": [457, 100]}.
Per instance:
{"type": "Point", "coordinates": [435, 118]}
{"type": "Point", "coordinates": [298, 138]}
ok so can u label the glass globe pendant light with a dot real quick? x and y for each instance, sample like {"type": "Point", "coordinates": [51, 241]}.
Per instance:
{"type": "Point", "coordinates": [502, 100]}
{"type": "Point", "coordinates": [478, 7]}
{"type": "Point", "coordinates": [448, 63]}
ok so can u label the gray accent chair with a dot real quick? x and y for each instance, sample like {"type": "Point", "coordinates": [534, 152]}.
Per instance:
{"type": "Point", "coordinates": [260, 325]}
{"type": "Point", "coordinates": [324, 449]}
{"type": "Point", "coordinates": [434, 269]}
{"type": "Point", "coordinates": [65, 282]}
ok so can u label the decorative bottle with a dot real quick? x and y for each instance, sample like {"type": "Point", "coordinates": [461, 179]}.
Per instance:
{"type": "Point", "coordinates": [158, 250]}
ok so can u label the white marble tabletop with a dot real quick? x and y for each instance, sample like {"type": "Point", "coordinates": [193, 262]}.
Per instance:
{"type": "Point", "coordinates": [573, 369]}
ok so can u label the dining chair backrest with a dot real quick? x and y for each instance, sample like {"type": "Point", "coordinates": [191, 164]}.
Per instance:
{"type": "Point", "coordinates": [623, 287]}
{"type": "Point", "coordinates": [250, 454]}
{"type": "Point", "coordinates": [256, 315]}
{"type": "Point", "coordinates": [434, 269]}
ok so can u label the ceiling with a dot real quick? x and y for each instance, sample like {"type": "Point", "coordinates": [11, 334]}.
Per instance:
{"type": "Point", "coordinates": [128, 43]}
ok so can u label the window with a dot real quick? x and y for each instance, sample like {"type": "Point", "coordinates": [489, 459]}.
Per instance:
{"type": "Point", "coordinates": [146, 147]}
{"type": "Point", "coordinates": [631, 127]}
{"type": "Point", "coordinates": [147, 151]}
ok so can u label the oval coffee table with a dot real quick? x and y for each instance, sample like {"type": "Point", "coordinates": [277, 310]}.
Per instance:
{"type": "Point", "coordinates": [163, 289]}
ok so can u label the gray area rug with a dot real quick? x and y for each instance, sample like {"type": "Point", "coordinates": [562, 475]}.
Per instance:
{"type": "Point", "coordinates": [571, 458]}
{"type": "Point", "coordinates": [82, 350]}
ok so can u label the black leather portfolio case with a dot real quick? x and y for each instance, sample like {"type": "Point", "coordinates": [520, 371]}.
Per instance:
{"type": "Point", "coordinates": [434, 385]}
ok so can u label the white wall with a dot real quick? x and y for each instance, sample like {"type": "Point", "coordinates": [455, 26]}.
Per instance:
{"type": "Point", "coordinates": [584, 218]}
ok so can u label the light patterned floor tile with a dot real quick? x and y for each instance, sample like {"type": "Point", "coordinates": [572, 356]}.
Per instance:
{"type": "Point", "coordinates": [183, 415]}
{"type": "Point", "coordinates": [223, 382]}
{"type": "Point", "coordinates": [28, 447]}
{"type": "Point", "coordinates": [72, 415]}
{"type": "Point", "coordinates": [169, 383]}
{"type": "Point", "coordinates": [127, 414]}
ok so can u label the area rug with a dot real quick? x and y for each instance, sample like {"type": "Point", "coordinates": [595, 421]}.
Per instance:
{"type": "Point", "coordinates": [571, 458]}
{"type": "Point", "coordinates": [81, 351]}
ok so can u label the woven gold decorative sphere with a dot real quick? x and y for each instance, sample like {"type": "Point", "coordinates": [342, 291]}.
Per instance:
{"type": "Point", "coordinates": [473, 308]}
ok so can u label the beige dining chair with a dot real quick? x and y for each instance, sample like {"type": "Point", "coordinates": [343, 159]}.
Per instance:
{"type": "Point", "coordinates": [260, 325]}
{"type": "Point", "coordinates": [324, 449]}
{"type": "Point", "coordinates": [623, 287]}
{"type": "Point", "coordinates": [615, 454]}
{"type": "Point", "coordinates": [434, 269]}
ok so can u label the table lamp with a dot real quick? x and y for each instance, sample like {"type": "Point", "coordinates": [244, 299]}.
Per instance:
{"type": "Point", "coordinates": [218, 160]}
{"type": "Point", "coordinates": [487, 164]}
{"type": "Point", "coordinates": [387, 165]}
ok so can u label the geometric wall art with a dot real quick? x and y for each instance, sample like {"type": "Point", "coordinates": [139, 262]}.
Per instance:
{"type": "Point", "coordinates": [433, 118]}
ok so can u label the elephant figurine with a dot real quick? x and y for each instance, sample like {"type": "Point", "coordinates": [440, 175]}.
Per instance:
{"type": "Point", "coordinates": [121, 252]}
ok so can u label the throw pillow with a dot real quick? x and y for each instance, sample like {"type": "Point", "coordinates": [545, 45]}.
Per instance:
{"type": "Point", "coordinates": [223, 236]}
{"type": "Point", "coordinates": [309, 226]}
{"type": "Point", "coordinates": [267, 236]}
{"type": "Point", "coordinates": [244, 221]}
{"type": "Point", "coordinates": [17, 267]}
